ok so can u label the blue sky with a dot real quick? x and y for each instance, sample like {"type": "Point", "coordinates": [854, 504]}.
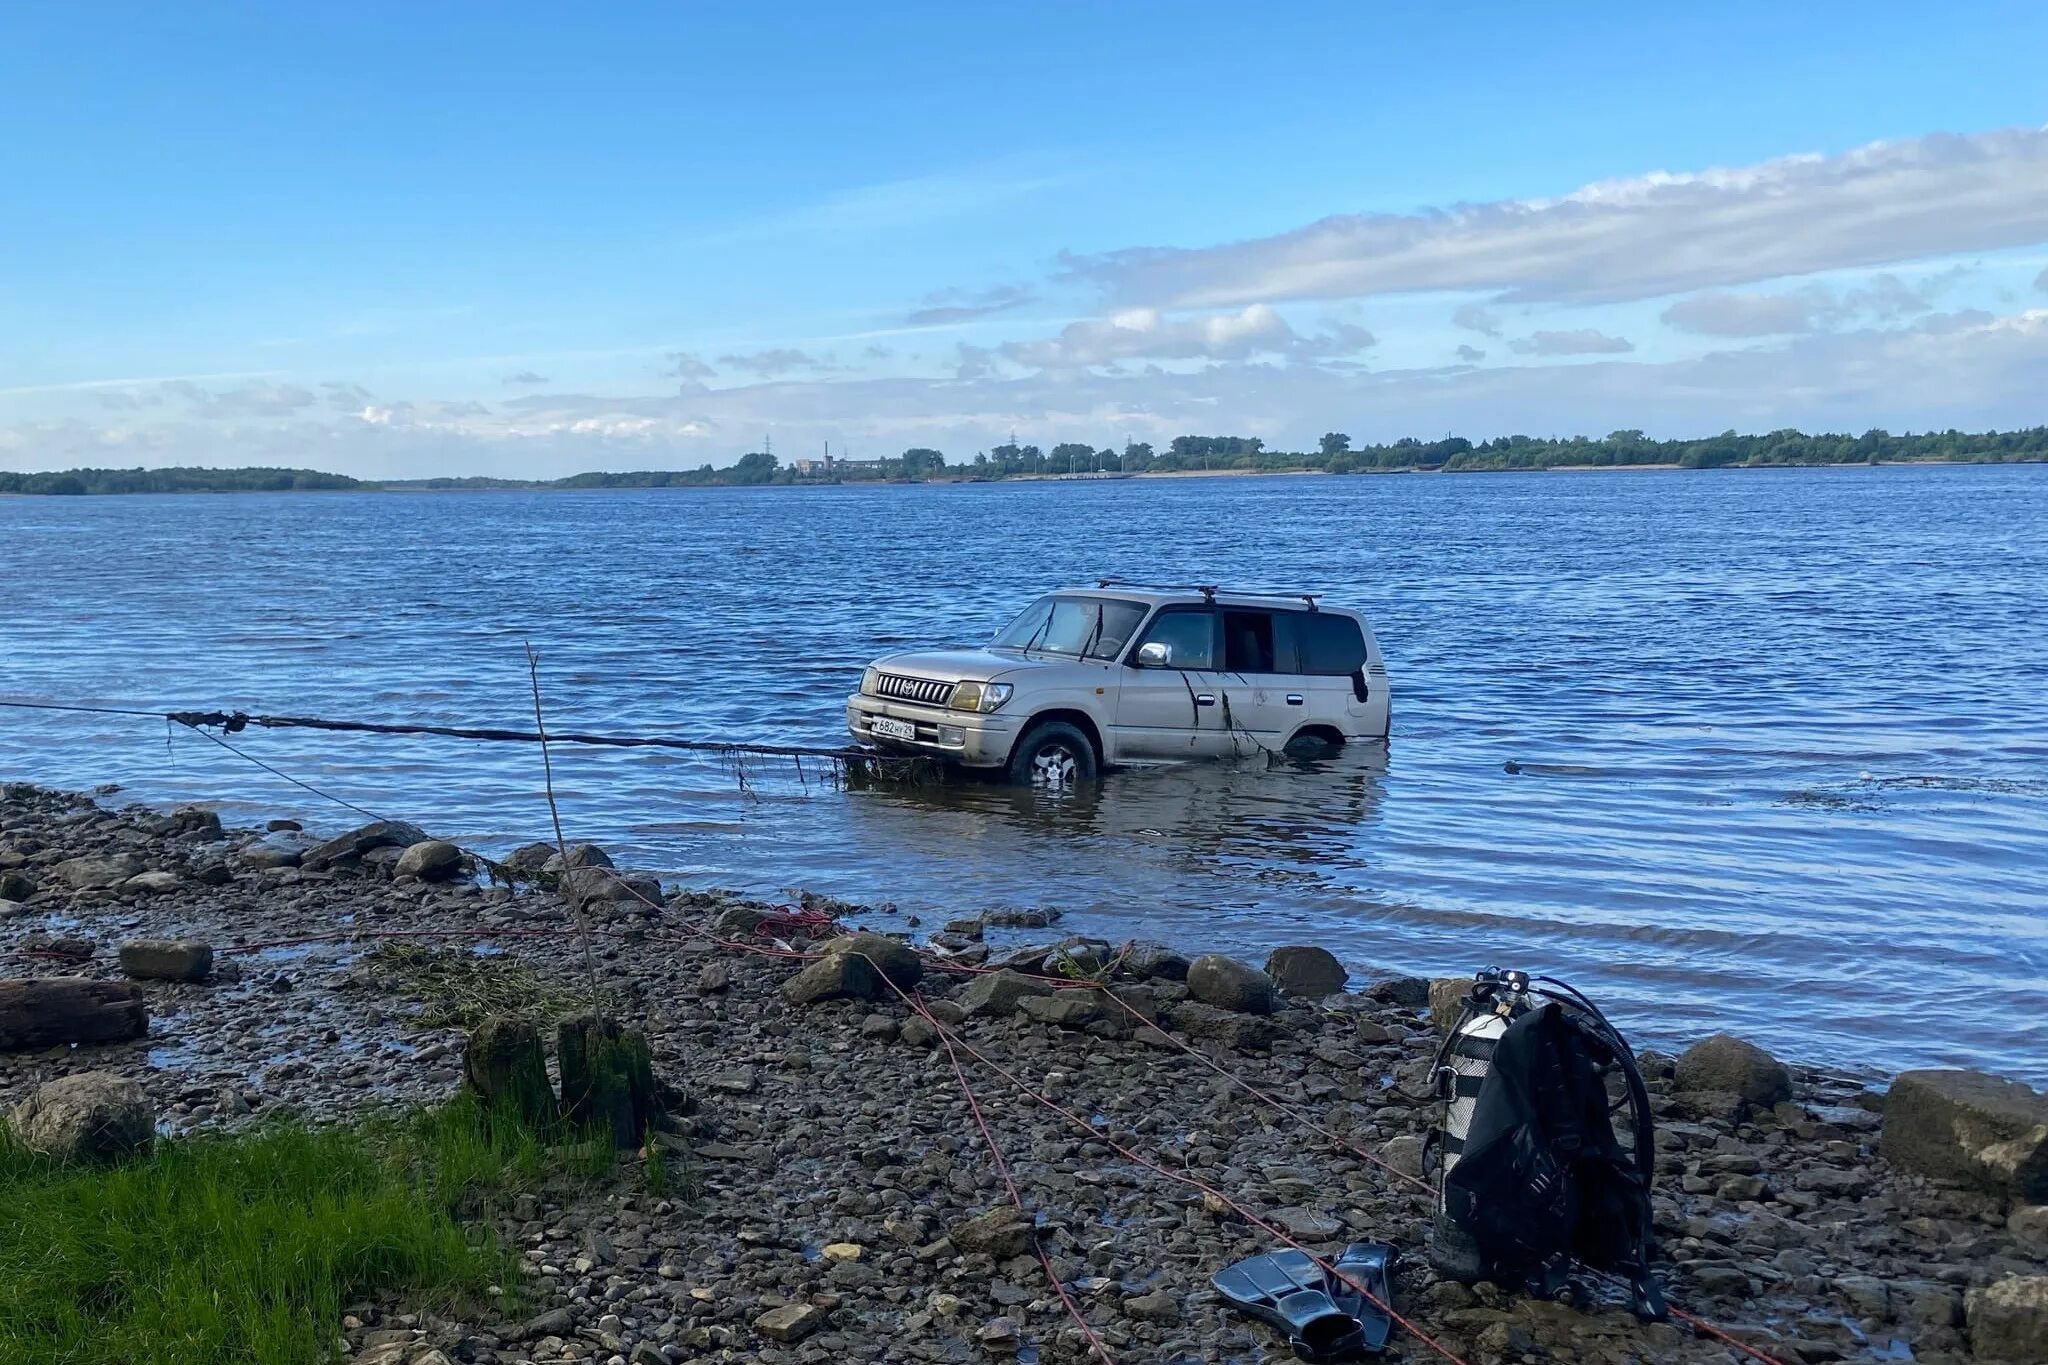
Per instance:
{"type": "Point", "coordinates": [529, 239]}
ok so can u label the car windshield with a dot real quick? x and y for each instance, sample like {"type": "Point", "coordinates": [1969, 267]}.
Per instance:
{"type": "Point", "coordinates": [1081, 627]}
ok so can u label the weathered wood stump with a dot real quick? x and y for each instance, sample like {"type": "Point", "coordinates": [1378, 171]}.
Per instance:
{"type": "Point", "coordinates": [607, 1077]}
{"type": "Point", "coordinates": [507, 1071]}
{"type": "Point", "coordinates": [44, 1011]}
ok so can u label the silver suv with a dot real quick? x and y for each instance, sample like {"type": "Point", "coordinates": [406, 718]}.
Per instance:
{"type": "Point", "coordinates": [1127, 673]}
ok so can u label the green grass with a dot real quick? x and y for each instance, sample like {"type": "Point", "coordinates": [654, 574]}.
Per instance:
{"type": "Point", "coordinates": [247, 1248]}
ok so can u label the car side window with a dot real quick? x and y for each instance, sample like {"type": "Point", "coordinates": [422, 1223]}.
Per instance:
{"type": "Point", "coordinates": [1188, 635]}
{"type": "Point", "coordinates": [1248, 642]}
{"type": "Point", "coordinates": [1330, 646]}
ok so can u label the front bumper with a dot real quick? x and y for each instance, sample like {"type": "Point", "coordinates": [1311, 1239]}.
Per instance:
{"type": "Point", "coordinates": [969, 738]}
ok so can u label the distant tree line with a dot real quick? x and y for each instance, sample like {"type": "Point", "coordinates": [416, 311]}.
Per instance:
{"type": "Point", "coordinates": [1334, 454]}
{"type": "Point", "coordinates": [77, 482]}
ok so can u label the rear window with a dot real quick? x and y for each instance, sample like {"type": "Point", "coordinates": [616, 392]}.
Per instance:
{"type": "Point", "coordinates": [1329, 646]}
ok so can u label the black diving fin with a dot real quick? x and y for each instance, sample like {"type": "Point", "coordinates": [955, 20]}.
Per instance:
{"type": "Point", "coordinates": [1325, 1318]}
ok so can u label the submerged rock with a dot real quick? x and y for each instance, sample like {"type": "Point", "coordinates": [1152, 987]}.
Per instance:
{"type": "Point", "coordinates": [1966, 1126]}
{"type": "Point", "coordinates": [92, 1116]}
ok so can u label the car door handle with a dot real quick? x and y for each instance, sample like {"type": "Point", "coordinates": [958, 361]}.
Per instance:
{"type": "Point", "coordinates": [1205, 699]}
{"type": "Point", "coordinates": [1296, 699]}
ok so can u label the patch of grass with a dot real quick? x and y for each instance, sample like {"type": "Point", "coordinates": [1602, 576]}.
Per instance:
{"type": "Point", "coordinates": [247, 1248]}
{"type": "Point", "coordinates": [460, 989]}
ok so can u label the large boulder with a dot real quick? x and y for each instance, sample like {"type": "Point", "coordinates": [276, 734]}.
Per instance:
{"type": "Point", "coordinates": [164, 959]}
{"type": "Point", "coordinates": [195, 822]}
{"type": "Point", "coordinates": [1726, 1065]}
{"type": "Point", "coordinates": [892, 958]}
{"type": "Point", "coordinates": [603, 887]}
{"type": "Point", "coordinates": [530, 858]}
{"type": "Point", "coordinates": [2008, 1320]}
{"type": "Point", "coordinates": [1966, 1126]}
{"type": "Point", "coordinates": [16, 886]}
{"type": "Point", "coordinates": [1229, 984]}
{"type": "Point", "coordinates": [96, 874]}
{"type": "Point", "coordinates": [1306, 971]}
{"type": "Point", "coordinates": [1447, 1002]}
{"type": "Point", "coordinates": [92, 1116]}
{"type": "Point", "coordinates": [575, 856]}
{"type": "Point", "coordinates": [835, 976]}
{"type": "Point", "coordinates": [999, 993]}
{"type": "Point", "coordinates": [350, 847]}
{"type": "Point", "coordinates": [430, 860]}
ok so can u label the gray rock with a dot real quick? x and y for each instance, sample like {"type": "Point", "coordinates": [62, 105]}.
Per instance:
{"type": "Point", "coordinates": [997, 993]}
{"type": "Point", "coordinates": [1157, 1306]}
{"type": "Point", "coordinates": [163, 959]}
{"type": "Point", "coordinates": [12, 909]}
{"type": "Point", "coordinates": [1447, 1002]}
{"type": "Point", "coordinates": [285, 848]}
{"type": "Point", "coordinates": [1148, 961]}
{"type": "Point", "coordinates": [891, 957]}
{"type": "Point", "coordinates": [15, 886]}
{"type": "Point", "coordinates": [158, 883]}
{"type": "Point", "coordinates": [1229, 984]}
{"type": "Point", "coordinates": [431, 860]}
{"type": "Point", "coordinates": [1727, 1065]}
{"type": "Point", "coordinates": [1002, 1232]}
{"type": "Point", "coordinates": [1408, 992]}
{"type": "Point", "coordinates": [2029, 1227]}
{"type": "Point", "coordinates": [1068, 1009]}
{"type": "Point", "coordinates": [791, 1322]}
{"type": "Point", "coordinates": [2008, 1320]}
{"type": "Point", "coordinates": [91, 1116]}
{"type": "Point", "coordinates": [195, 822]}
{"type": "Point", "coordinates": [1966, 1126]}
{"type": "Point", "coordinates": [530, 858]}
{"type": "Point", "coordinates": [96, 874]}
{"type": "Point", "coordinates": [1306, 971]}
{"type": "Point", "coordinates": [553, 1323]}
{"type": "Point", "coordinates": [837, 976]}
{"type": "Point", "coordinates": [350, 847]}
{"type": "Point", "coordinates": [581, 855]}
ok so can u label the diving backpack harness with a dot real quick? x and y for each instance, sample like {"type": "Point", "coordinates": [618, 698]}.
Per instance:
{"type": "Point", "coordinates": [1532, 1173]}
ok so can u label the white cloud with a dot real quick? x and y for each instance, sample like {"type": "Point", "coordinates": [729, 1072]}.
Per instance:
{"type": "Point", "coordinates": [525, 378]}
{"type": "Point", "coordinates": [1579, 341]}
{"type": "Point", "coordinates": [1147, 334]}
{"type": "Point", "coordinates": [948, 306]}
{"type": "Point", "coordinates": [775, 361]}
{"type": "Point", "coordinates": [1962, 369]}
{"type": "Point", "coordinates": [1884, 297]}
{"type": "Point", "coordinates": [1638, 238]}
{"type": "Point", "coordinates": [1471, 355]}
{"type": "Point", "coordinates": [1476, 318]}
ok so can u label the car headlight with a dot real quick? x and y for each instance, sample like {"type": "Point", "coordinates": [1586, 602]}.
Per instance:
{"type": "Point", "coordinates": [871, 682]}
{"type": "Point", "coordinates": [979, 696]}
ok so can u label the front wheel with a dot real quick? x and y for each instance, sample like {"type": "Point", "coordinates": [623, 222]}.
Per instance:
{"type": "Point", "coordinates": [1054, 755]}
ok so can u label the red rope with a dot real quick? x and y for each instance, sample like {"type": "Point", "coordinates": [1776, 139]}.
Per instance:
{"type": "Point", "coordinates": [1128, 1154]}
{"type": "Point", "coordinates": [1003, 1169]}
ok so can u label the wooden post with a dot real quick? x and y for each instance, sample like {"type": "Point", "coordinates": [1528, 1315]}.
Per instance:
{"type": "Point", "coordinates": [504, 1065]}
{"type": "Point", "coordinates": [607, 1077]}
{"type": "Point", "coordinates": [44, 1011]}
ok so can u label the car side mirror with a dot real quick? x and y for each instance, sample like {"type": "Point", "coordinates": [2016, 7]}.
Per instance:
{"type": "Point", "coordinates": [1155, 654]}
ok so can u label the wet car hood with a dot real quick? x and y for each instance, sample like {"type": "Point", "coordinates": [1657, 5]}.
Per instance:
{"type": "Point", "coordinates": [980, 665]}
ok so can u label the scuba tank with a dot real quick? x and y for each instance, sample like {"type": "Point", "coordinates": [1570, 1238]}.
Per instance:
{"type": "Point", "coordinates": [1533, 1175]}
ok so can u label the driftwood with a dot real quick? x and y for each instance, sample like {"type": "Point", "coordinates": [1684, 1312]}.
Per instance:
{"type": "Point", "coordinates": [45, 1011]}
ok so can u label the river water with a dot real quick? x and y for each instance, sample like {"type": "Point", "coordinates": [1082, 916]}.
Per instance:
{"type": "Point", "coordinates": [1778, 736]}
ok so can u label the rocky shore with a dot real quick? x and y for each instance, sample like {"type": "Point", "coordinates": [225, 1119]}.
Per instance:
{"type": "Point", "coordinates": [840, 1204]}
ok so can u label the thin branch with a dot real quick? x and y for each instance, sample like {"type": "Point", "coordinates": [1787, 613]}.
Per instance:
{"type": "Point", "coordinates": [547, 767]}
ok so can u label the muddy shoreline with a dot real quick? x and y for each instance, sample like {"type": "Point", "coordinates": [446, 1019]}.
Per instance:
{"type": "Point", "coordinates": [840, 1124]}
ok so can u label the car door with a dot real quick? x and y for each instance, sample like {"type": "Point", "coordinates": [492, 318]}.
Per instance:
{"type": "Point", "coordinates": [1261, 694]}
{"type": "Point", "coordinates": [1168, 708]}
{"type": "Point", "coordinates": [1336, 678]}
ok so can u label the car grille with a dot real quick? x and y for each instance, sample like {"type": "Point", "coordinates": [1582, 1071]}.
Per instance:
{"type": "Point", "coordinates": [923, 691]}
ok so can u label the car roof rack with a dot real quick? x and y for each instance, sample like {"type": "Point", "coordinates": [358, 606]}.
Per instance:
{"type": "Point", "coordinates": [1210, 590]}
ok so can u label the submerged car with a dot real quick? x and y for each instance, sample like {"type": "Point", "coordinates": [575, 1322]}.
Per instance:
{"type": "Point", "coordinates": [1128, 673]}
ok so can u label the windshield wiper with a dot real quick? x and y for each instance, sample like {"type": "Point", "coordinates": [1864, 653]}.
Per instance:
{"type": "Point", "coordinates": [1043, 626]}
{"type": "Point", "coordinates": [1088, 645]}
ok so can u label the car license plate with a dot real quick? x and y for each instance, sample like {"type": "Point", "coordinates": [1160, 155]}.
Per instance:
{"type": "Point", "coordinates": [885, 728]}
